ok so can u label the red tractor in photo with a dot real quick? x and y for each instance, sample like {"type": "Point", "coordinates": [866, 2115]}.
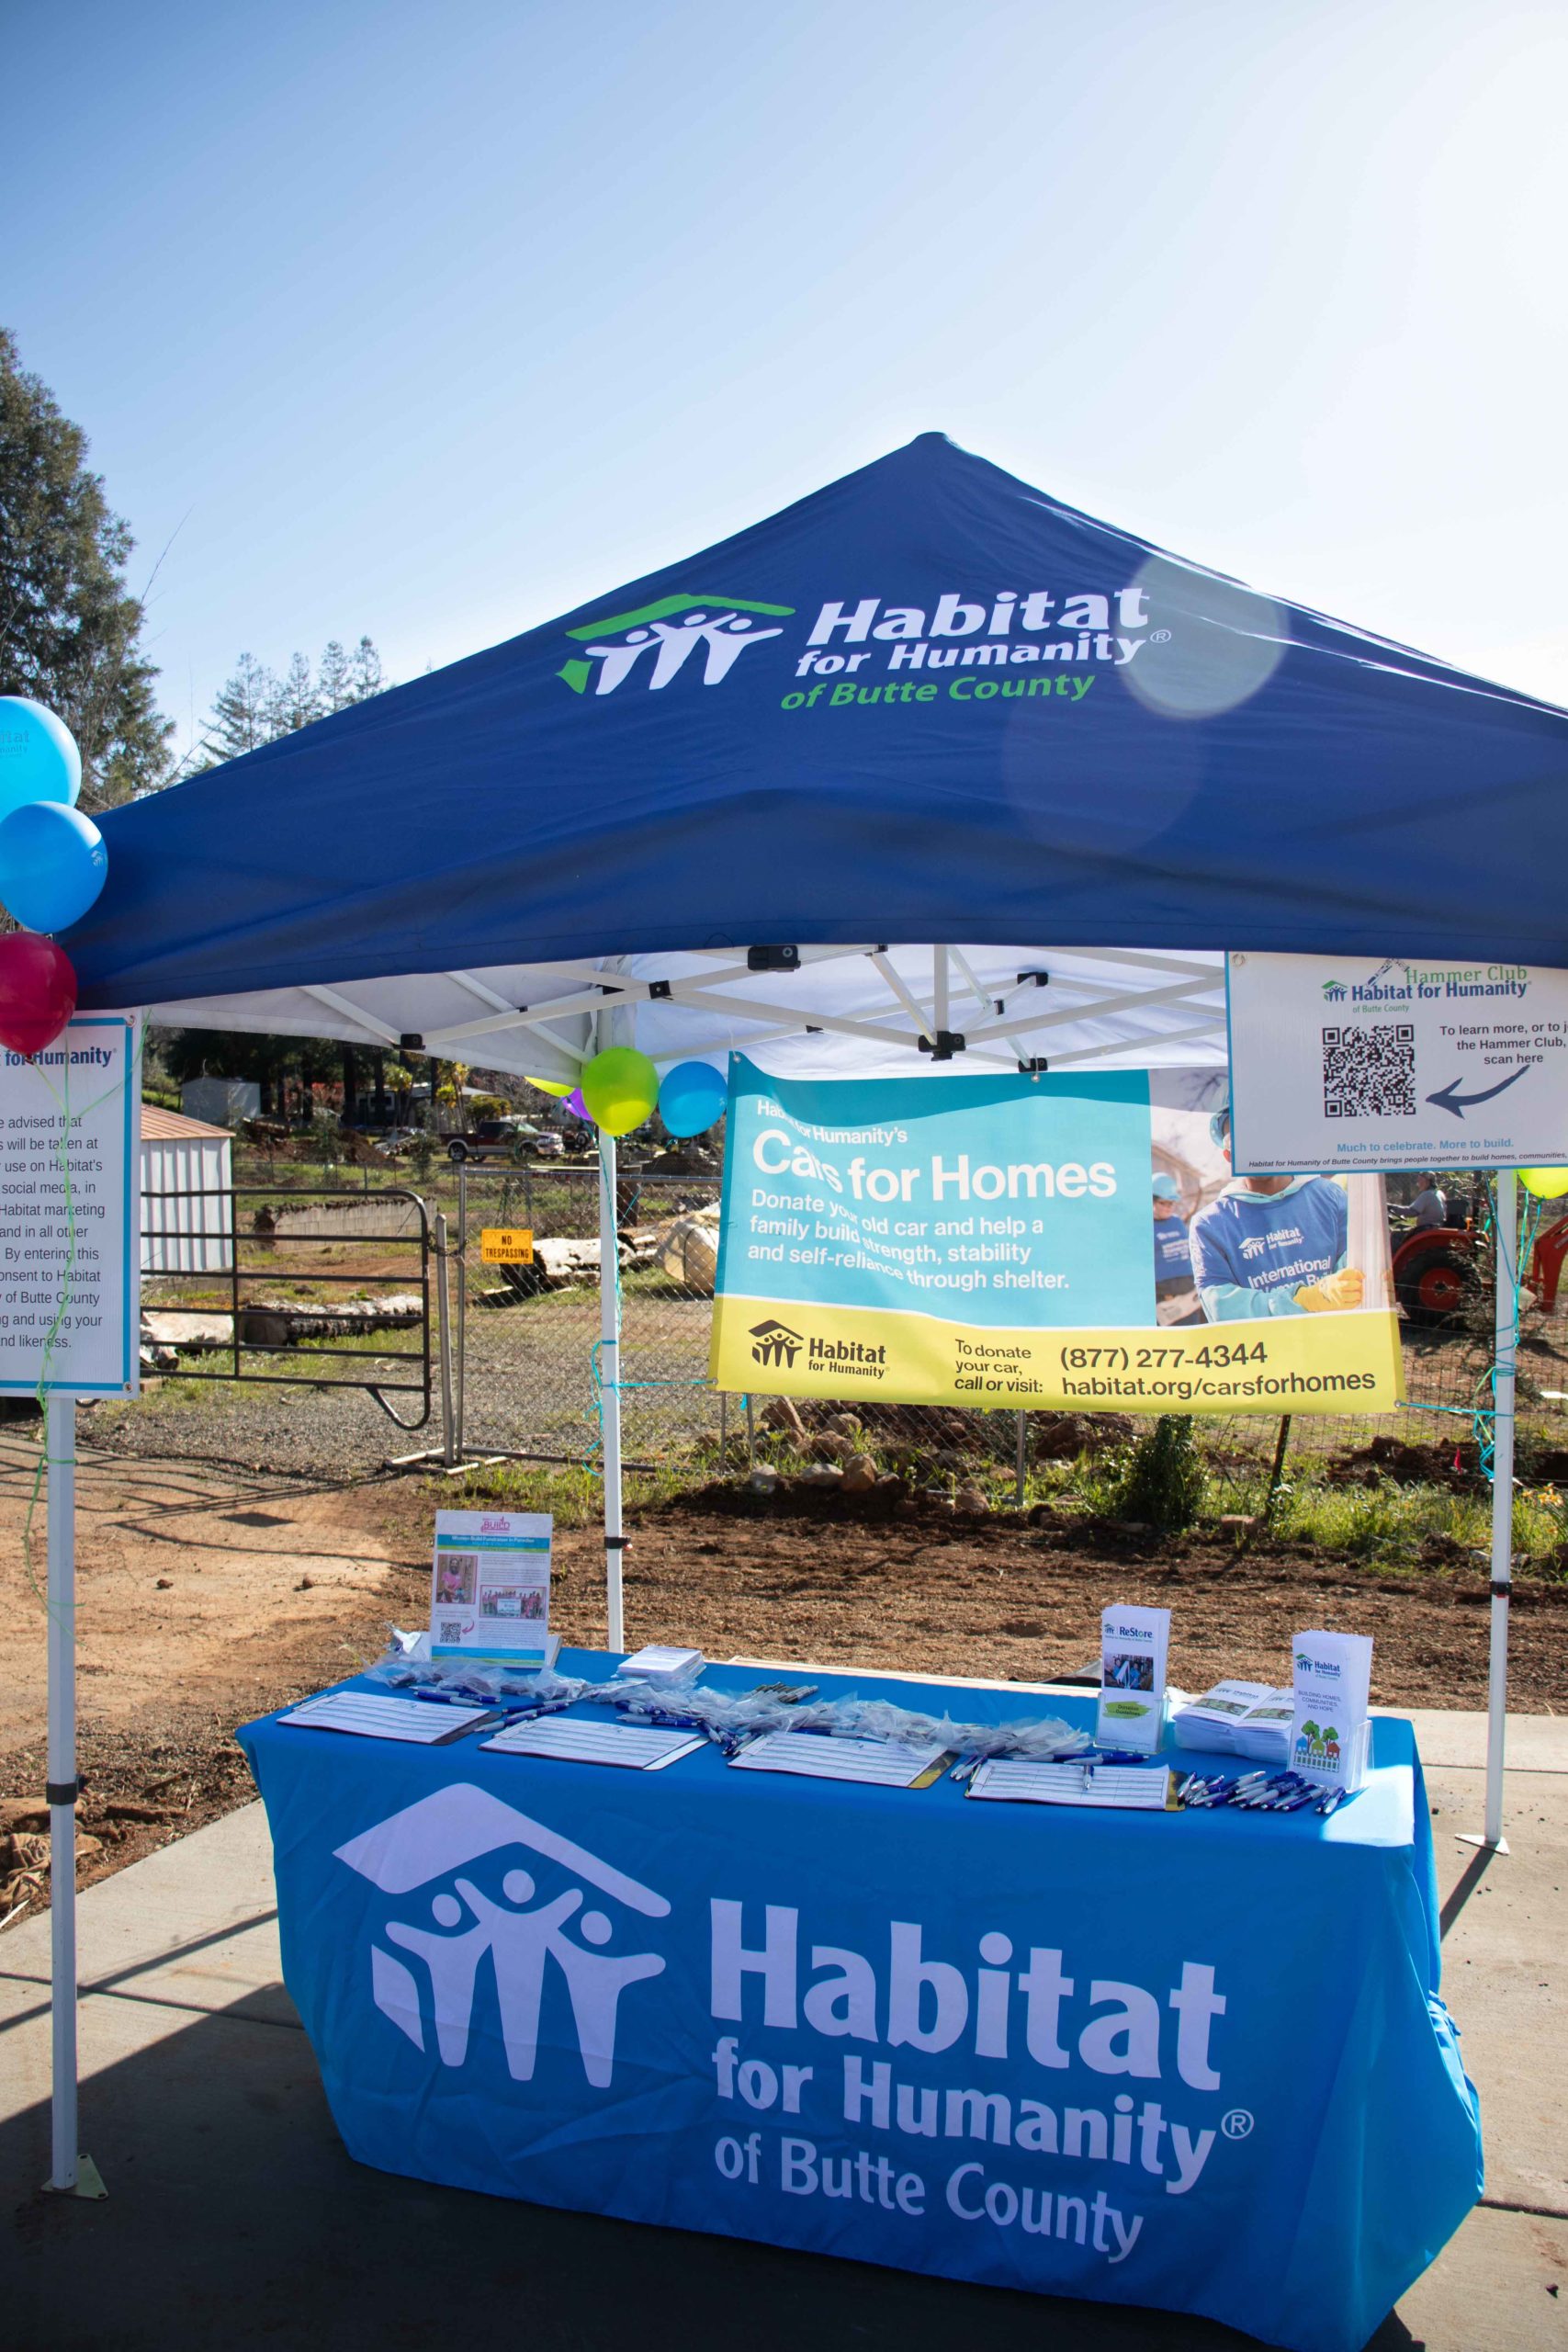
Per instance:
{"type": "Point", "coordinates": [1434, 1273]}
{"type": "Point", "coordinates": [1439, 1269]}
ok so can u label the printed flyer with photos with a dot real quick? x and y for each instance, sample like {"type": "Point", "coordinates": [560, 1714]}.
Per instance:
{"type": "Point", "coordinates": [490, 1586]}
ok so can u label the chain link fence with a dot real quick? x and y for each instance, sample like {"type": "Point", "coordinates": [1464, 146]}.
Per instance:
{"type": "Point", "coordinates": [528, 1335]}
{"type": "Point", "coordinates": [520, 1370]}
{"type": "Point", "coordinates": [529, 1371]}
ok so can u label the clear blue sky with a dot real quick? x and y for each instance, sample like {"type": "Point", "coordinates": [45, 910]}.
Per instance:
{"type": "Point", "coordinates": [432, 321]}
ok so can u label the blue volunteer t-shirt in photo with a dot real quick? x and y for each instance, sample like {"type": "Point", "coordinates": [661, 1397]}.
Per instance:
{"type": "Point", "coordinates": [1173, 1251]}
{"type": "Point", "coordinates": [1271, 1242]}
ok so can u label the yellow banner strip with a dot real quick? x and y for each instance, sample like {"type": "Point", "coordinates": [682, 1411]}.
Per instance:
{"type": "Point", "coordinates": [1299, 1364]}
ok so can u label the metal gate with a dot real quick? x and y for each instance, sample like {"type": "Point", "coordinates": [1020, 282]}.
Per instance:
{"type": "Point", "coordinates": [296, 1242]}
{"type": "Point", "coordinates": [525, 1349]}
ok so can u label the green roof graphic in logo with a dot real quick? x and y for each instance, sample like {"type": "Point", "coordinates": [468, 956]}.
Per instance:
{"type": "Point", "coordinates": [712, 622]}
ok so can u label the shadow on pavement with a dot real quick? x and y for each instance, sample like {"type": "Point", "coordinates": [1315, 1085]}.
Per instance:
{"type": "Point", "coordinates": [1464, 1886]}
{"type": "Point", "coordinates": [235, 2217]}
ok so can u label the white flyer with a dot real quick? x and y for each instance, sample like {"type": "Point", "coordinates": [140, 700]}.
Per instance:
{"type": "Point", "coordinates": [574, 1741]}
{"type": "Point", "coordinates": [490, 1586]}
{"type": "Point", "coordinates": [70, 1265]}
{"type": "Point", "coordinates": [1348, 1062]}
{"type": "Point", "coordinates": [373, 1717]}
{"type": "Point", "coordinates": [1134, 1643]}
{"type": "Point", "coordinates": [1330, 1732]}
{"type": "Point", "coordinates": [877, 1763]}
{"type": "Point", "coordinates": [1125, 1785]}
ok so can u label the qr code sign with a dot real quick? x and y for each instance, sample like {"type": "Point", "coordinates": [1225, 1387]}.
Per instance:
{"type": "Point", "coordinates": [450, 1630]}
{"type": "Point", "coordinates": [1370, 1072]}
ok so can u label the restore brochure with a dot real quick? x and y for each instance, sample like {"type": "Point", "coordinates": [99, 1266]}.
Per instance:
{"type": "Point", "coordinates": [1133, 1647]}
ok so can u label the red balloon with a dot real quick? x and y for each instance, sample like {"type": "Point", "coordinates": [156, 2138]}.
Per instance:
{"type": "Point", "coordinates": [37, 991]}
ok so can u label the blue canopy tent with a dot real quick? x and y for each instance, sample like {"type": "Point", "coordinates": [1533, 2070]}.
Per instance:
{"type": "Point", "coordinates": [733, 802]}
{"type": "Point", "coordinates": [926, 702]}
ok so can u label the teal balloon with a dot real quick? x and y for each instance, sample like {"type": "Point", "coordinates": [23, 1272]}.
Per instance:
{"type": "Point", "coordinates": [39, 759]}
{"type": "Point", "coordinates": [52, 865]}
{"type": "Point", "coordinates": [692, 1098]}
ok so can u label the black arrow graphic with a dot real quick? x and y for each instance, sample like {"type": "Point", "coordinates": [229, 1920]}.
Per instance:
{"type": "Point", "coordinates": [1450, 1099]}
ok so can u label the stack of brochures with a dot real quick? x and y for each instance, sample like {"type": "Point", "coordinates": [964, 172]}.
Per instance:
{"type": "Point", "coordinates": [1214, 1722]}
{"type": "Point", "coordinates": [661, 1663]}
{"type": "Point", "coordinates": [1264, 1732]}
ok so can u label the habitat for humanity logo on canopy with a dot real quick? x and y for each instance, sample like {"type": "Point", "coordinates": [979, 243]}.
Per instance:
{"type": "Point", "coordinates": [668, 631]}
{"type": "Point", "coordinates": [872, 649]}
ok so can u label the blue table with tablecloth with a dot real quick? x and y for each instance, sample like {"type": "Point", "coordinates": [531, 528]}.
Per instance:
{"type": "Point", "coordinates": [1195, 2060]}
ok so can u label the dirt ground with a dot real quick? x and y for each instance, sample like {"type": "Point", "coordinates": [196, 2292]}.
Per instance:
{"type": "Point", "coordinates": [205, 1597]}
{"type": "Point", "coordinates": [209, 1596]}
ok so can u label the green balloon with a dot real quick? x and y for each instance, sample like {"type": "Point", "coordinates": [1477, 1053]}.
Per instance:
{"type": "Point", "coordinates": [620, 1087]}
{"type": "Point", "coordinates": [1546, 1183]}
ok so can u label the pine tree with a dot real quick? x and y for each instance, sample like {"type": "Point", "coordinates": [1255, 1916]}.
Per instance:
{"type": "Point", "coordinates": [255, 707]}
{"type": "Point", "coordinates": [334, 682]}
{"type": "Point", "coordinates": [241, 718]}
{"type": "Point", "coordinates": [365, 670]}
{"type": "Point", "coordinates": [293, 704]}
{"type": "Point", "coordinates": [69, 629]}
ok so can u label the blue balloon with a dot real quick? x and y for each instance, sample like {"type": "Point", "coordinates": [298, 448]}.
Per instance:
{"type": "Point", "coordinates": [692, 1097]}
{"type": "Point", "coordinates": [52, 865]}
{"type": "Point", "coordinates": [39, 759]}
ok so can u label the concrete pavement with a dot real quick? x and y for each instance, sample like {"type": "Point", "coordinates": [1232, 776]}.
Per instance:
{"type": "Point", "coordinates": [235, 2217]}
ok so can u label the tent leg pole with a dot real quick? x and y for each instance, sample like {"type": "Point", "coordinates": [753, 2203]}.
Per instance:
{"type": "Point", "coordinates": [609, 1388]}
{"type": "Point", "coordinates": [1505, 1347]}
{"type": "Point", "coordinates": [460, 1349]}
{"type": "Point", "coordinates": [61, 1451]}
{"type": "Point", "coordinates": [444, 1323]}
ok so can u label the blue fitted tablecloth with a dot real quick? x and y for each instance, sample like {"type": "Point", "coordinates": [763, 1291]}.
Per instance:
{"type": "Point", "coordinates": [1193, 2060]}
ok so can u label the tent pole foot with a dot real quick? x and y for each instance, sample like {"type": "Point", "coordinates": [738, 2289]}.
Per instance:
{"type": "Point", "coordinates": [1478, 1837]}
{"type": "Point", "coordinates": [88, 2182]}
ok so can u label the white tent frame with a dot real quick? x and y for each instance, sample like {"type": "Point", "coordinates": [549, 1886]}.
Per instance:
{"type": "Point", "coordinates": [574, 1009]}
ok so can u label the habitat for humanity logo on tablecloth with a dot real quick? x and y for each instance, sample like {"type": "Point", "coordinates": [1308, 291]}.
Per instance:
{"type": "Point", "coordinates": [424, 1851]}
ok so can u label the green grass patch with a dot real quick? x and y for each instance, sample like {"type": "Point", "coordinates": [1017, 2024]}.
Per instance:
{"type": "Point", "coordinates": [572, 1492]}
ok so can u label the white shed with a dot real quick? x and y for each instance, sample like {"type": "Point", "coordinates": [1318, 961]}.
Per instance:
{"type": "Point", "coordinates": [187, 1205]}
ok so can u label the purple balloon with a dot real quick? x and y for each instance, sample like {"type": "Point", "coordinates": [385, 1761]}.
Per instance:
{"type": "Point", "coordinates": [578, 1107]}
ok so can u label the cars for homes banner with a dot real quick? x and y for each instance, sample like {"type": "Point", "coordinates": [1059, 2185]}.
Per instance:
{"type": "Point", "coordinates": [1040, 1241]}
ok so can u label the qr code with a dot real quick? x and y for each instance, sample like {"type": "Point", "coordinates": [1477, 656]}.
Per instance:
{"type": "Point", "coordinates": [1370, 1072]}
{"type": "Point", "coordinates": [450, 1630]}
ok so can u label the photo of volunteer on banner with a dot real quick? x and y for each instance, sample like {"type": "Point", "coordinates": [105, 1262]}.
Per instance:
{"type": "Point", "coordinates": [1040, 1239]}
{"type": "Point", "coordinates": [1236, 1248]}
